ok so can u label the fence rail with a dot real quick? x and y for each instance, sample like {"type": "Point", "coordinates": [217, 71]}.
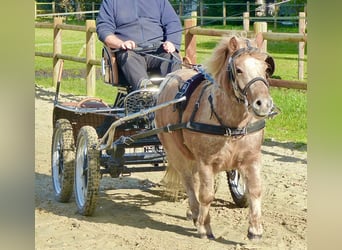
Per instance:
{"type": "Point", "coordinates": [224, 11]}
{"type": "Point", "coordinates": [301, 38]}
{"type": "Point", "coordinates": [190, 48]}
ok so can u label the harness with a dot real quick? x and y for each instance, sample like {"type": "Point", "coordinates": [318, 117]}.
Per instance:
{"type": "Point", "coordinates": [193, 83]}
{"type": "Point", "coordinates": [208, 128]}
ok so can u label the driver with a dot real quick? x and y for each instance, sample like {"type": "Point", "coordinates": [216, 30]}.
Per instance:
{"type": "Point", "coordinates": [126, 25]}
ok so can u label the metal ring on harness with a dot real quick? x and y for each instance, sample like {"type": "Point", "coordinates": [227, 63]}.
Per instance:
{"type": "Point", "coordinates": [168, 128]}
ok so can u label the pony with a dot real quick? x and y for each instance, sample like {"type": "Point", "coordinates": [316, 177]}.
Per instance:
{"type": "Point", "coordinates": [220, 127]}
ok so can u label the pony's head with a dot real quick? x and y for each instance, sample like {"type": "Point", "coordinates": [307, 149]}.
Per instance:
{"type": "Point", "coordinates": [242, 70]}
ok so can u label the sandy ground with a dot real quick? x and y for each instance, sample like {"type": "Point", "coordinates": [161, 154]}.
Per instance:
{"type": "Point", "coordinates": [134, 212]}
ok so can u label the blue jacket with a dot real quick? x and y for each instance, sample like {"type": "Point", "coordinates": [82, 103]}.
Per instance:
{"type": "Point", "coordinates": [143, 21]}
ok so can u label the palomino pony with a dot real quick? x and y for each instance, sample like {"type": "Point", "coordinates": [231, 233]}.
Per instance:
{"type": "Point", "coordinates": [220, 128]}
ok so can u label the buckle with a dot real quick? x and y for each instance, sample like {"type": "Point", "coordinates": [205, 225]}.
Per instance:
{"type": "Point", "coordinates": [228, 132]}
{"type": "Point", "coordinates": [127, 140]}
{"type": "Point", "coordinates": [168, 128]}
{"type": "Point", "coordinates": [244, 131]}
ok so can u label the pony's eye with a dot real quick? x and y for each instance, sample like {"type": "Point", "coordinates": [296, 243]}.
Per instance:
{"type": "Point", "coordinates": [238, 71]}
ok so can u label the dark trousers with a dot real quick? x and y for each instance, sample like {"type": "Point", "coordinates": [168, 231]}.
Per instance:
{"type": "Point", "coordinates": [134, 65]}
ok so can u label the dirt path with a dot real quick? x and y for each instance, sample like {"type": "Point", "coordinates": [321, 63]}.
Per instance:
{"type": "Point", "coordinates": [134, 213]}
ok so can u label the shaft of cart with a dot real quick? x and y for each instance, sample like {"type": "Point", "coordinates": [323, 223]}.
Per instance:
{"type": "Point", "coordinates": [106, 141]}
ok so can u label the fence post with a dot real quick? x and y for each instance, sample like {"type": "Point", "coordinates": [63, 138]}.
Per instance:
{"type": "Point", "coordinates": [224, 14]}
{"type": "Point", "coordinates": [201, 12]}
{"type": "Point", "coordinates": [53, 7]}
{"type": "Point", "coordinates": [35, 10]}
{"type": "Point", "coordinates": [261, 27]}
{"type": "Point", "coordinates": [90, 55]}
{"type": "Point", "coordinates": [180, 9]}
{"type": "Point", "coordinates": [275, 19]}
{"type": "Point", "coordinates": [190, 40]}
{"type": "Point", "coordinates": [57, 48]}
{"type": "Point", "coordinates": [246, 21]}
{"type": "Point", "coordinates": [301, 46]}
{"type": "Point", "coordinates": [93, 10]}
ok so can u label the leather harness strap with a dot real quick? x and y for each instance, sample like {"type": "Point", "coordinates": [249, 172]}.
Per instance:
{"type": "Point", "coordinates": [187, 89]}
{"type": "Point", "coordinates": [225, 131]}
{"type": "Point", "coordinates": [198, 127]}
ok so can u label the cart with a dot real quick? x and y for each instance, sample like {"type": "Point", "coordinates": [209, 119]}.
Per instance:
{"type": "Point", "coordinates": [92, 138]}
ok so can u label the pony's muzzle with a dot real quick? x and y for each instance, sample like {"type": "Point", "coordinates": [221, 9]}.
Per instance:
{"type": "Point", "coordinates": [262, 106]}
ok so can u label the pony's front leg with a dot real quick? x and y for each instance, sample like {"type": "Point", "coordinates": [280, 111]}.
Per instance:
{"type": "Point", "coordinates": [253, 184]}
{"type": "Point", "coordinates": [206, 196]}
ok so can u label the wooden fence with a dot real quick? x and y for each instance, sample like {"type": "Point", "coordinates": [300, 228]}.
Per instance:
{"type": "Point", "coordinates": [190, 48]}
{"type": "Point", "coordinates": [90, 59]}
{"type": "Point", "coordinates": [191, 30]}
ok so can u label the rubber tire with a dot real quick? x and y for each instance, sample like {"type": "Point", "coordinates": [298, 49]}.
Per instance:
{"type": "Point", "coordinates": [62, 160]}
{"type": "Point", "coordinates": [235, 181]}
{"type": "Point", "coordinates": [87, 171]}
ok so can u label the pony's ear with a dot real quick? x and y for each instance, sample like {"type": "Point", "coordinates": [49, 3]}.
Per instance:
{"type": "Point", "coordinates": [233, 44]}
{"type": "Point", "coordinates": [259, 39]}
{"type": "Point", "coordinates": [270, 66]}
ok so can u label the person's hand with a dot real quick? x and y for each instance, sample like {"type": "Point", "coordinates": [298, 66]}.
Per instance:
{"type": "Point", "coordinates": [169, 47]}
{"type": "Point", "coordinates": [129, 44]}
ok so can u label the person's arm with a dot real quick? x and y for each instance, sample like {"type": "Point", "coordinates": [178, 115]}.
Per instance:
{"type": "Point", "coordinates": [105, 22]}
{"type": "Point", "coordinates": [106, 25]}
{"type": "Point", "coordinates": [172, 28]}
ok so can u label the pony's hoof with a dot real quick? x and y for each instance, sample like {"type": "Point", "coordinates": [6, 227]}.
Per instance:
{"type": "Point", "coordinates": [210, 236]}
{"type": "Point", "coordinates": [195, 222]}
{"type": "Point", "coordinates": [188, 214]}
{"type": "Point", "coordinates": [207, 236]}
{"type": "Point", "coordinates": [252, 236]}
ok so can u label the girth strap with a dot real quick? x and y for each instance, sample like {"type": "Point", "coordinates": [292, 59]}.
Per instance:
{"type": "Point", "coordinates": [197, 127]}
{"type": "Point", "coordinates": [225, 131]}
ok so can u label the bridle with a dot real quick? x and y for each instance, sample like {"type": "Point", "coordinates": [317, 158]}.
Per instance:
{"type": "Point", "coordinates": [241, 94]}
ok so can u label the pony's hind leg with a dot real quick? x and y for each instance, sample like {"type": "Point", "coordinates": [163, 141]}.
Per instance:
{"type": "Point", "coordinates": [181, 171]}
{"type": "Point", "coordinates": [206, 196]}
{"type": "Point", "coordinates": [191, 191]}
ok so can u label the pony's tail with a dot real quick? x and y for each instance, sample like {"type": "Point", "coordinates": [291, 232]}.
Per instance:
{"type": "Point", "coordinates": [172, 182]}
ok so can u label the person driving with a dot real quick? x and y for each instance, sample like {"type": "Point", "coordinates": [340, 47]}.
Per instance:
{"type": "Point", "coordinates": [127, 25]}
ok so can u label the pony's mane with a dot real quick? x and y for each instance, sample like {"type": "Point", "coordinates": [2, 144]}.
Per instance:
{"type": "Point", "coordinates": [217, 62]}
{"type": "Point", "coordinates": [218, 59]}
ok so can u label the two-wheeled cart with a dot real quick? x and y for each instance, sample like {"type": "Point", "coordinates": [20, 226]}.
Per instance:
{"type": "Point", "coordinates": [92, 138]}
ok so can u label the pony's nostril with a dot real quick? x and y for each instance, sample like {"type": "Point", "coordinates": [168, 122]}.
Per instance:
{"type": "Point", "coordinates": [262, 107]}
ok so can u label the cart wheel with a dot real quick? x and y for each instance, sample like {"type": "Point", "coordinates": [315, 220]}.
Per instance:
{"type": "Point", "coordinates": [62, 160]}
{"type": "Point", "coordinates": [237, 188]}
{"type": "Point", "coordinates": [87, 171]}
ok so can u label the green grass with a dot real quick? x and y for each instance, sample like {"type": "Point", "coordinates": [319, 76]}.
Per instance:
{"type": "Point", "coordinates": [289, 125]}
